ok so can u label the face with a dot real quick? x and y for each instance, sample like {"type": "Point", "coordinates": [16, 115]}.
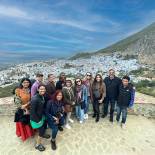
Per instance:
{"type": "Point", "coordinates": [26, 84]}
{"type": "Point", "coordinates": [78, 82]}
{"type": "Point", "coordinates": [125, 82]}
{"type": "Point", "coordinates": [98, 78]}
{"type": "Point", "coordinates": [63, 76]}
{"type": "Point", "coordinates": [42, 90]}
{"type": "Point", "coordinates": [59, 97]}
{"type": "Point", "coordinates": [111, 73]}
{"type": "Point", "coordinates": [68, 84]}
{"type": "Point", "coordinates": [51, 78]}
{"type": "Point", "coordinates": [88, 76]}
{"type": "Point", "coordinates": [40, 79]}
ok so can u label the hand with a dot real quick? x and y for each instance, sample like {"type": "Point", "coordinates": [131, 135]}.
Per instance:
{"type": "Point", "coordinates": [73, 103]}
{"type": "Point", "coordinates": [23, 106]}
{"type": "Point", "coordinates": [56, 120]}
{"type": "Point", "coordinates": [100, 101]}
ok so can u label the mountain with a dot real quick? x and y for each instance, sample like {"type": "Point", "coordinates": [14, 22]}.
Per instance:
{"type": "Point", "coordinates": [140, 45]}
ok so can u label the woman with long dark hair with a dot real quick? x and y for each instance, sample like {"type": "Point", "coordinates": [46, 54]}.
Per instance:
{"type": "Point", "coordinates": [22, 117]}
{"type": "Point", "coordinates": [99, 93]}
{"type": "Point", "coordinates": [55, 116]}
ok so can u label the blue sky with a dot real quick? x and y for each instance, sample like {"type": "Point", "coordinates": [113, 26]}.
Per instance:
{"type": "Point", "coordinates": [61, 28]}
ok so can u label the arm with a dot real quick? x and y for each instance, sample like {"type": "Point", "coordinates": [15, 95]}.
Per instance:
{"type": "Point", "coordinates": [33, 111]}
{"type": "Point", "coordinates": [33, 90]}
{"type": "Point", "coordinates": [132, 98]}
{"type": "Point", "coordinates": [104, 91]}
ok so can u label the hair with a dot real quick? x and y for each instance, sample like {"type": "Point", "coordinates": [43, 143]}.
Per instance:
{"type": "Point", "coordinates": [111, 70]}
{"type": "Point", "coordinates": [77, 79]}
{"type": "Point", "coordinates": [126, 77]}
{"type": "Point", "coordinates": [60, 77]}
{"type": "Point", "coordinates": [56, 94]}
{"type": "Point", "coordinates": [42, 85]}
{"type": "Point", "coordinates": [39, 75]}
{"type": "Point", "coordinates": [95, 81]}
{"type": "Point", "coordinates": [50, 75]}
{"type": "Point", "coordinates": [24, 79]}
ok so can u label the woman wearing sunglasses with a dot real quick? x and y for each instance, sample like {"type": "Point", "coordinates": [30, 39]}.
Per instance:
{"type": "Point", "coordinates": [88, 82]}
{"type": "Point", "coordinates": [81, 94]}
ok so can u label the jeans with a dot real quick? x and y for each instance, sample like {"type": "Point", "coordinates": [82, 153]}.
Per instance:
{"type": "Point", "coordinates": [86, 109]}
{"type": "Point", "coordinates": [96, 107]}
{"type": "Point", "coordinates": [54, 126]}
{"type": "Point", "coordinates": [122, 110]}
{"type": "Point", "coordinates": [79, 112]}
{"type": "Point", "coordinates": [106, 105]}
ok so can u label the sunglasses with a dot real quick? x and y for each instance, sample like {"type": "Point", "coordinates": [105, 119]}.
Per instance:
{"type": "Point", "coordinates": [78, 81]}
{"type": "Point", "coordinates": [88, 75]}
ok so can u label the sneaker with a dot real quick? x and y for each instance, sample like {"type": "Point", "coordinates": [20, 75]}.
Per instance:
{"type": "Point", "coordinates": [67, 126]}
{"type": "Point", "coordinates": [53, 145]}
{"type": "Point", "coordinates": [123, 126]}
{"type": "Point", "coordinates": [94, 116]}
{"type": "Point", "coordinates": [97, 119]}
{"type": "Point", "coordinates": [70, 120]}
{"type": "Point", "coordinates": [103, 116]}
{"type": "Point", "coordinates": [60, 128]}
{"type": "Point", "coordinates": [81, 122]}
{"type": "Point", "coordinates": [86, 116]}
{"type": "Point", "coordinates": [40, 147]}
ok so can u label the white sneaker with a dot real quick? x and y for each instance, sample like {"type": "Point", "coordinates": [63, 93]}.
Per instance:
{"type": "Point", "coordinates": [67, 126]}
{"type": "Point", "coordinates": [81, 122]}
{"type": "Point", "coordinates": [123, 126]}
{"type": "Point", "coordinates": [70, 120]}
{"type": "Point", "coordinates": [86, 116]}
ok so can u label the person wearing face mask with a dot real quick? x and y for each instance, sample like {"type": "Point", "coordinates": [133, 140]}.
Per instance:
{"type": "Point", "coordinates": [125, 99]}
{"type": "Point", "coordinates": [88, 82]}
{"type": "Point", "coordinates": [81, 96]}
{"type": "Point", "coordinates": [112, 88]}
{"type": "Point", "coordinates": [37, 116]}
{"type": "Point", "coordinates": [99, 93]}
{"type": "Point", "coordinates": [55, 116]}
{"type": "Point", "coordinates": [69, 100]}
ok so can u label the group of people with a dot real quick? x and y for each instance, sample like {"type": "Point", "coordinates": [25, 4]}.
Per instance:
{"type": "Point", "coordinates": [41, 105]}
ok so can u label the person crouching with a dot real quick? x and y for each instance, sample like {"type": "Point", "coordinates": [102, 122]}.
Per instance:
{"type": "Point", "coordinates": [55, 116]}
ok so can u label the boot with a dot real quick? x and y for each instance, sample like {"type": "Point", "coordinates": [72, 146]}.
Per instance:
{"type": "Point", "coordinates": [53, 145]}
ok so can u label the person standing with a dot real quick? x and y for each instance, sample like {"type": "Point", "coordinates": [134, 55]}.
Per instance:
{"type": "Point", "coordinates": [55, 116]}
{"type": "Point", "coordinates": [69, 100]}
{"type": "Point", "coordinates": [50, 86]}
{"type": "Point", "coordinates": [99, 93]}
{"type": "Point", "coordinates": [22, 116]}
{"type": "Point", "coordinates": [81, 95]}
{"type": "Point", "coordinates": [88, 82]}
{"type": "Point", "coordinates": [125, 99]}
{"type": "Point", "coordinates": [112, 88]}
{"type": "Point", "coordinates": [37, 116]}
{"type": "Point", "coordinates": [61, 83]}
{"type": "Point", "coordinates": [39, 81]}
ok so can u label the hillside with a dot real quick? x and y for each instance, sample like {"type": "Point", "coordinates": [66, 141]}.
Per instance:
{"type": "Point", "coordinates": [140, 45]}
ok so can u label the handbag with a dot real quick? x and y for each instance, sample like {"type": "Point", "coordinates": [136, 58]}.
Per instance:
{"type": "Point", "coordinates": [68, 108]}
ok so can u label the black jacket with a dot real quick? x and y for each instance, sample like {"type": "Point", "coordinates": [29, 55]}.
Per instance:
{"type": "Point", "coordinates": [59, 85]}
{"type": "Point", "coordinates": [125, 95]}
{"type": "Point", "coordinates": [37, 108]}
{"type": "Point", "coordinates": [112, 87]}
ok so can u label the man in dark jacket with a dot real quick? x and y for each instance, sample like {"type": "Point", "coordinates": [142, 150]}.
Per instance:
{"type": "Point", "coordinates": [125, 99]}
{"type": "Point", "coordinates": [50, 86]}
{"type": "Point", "coordinates": [112, 86]}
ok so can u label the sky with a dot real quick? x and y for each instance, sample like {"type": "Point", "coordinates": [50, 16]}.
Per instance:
{"type": "Point", "coordinates": [61, 28]}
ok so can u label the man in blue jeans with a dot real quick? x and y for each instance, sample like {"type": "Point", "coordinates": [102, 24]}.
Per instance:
{"type": "Point", "coordinates": [112, 88]}
{"type": "Point", "coordinates": [125, 99]}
